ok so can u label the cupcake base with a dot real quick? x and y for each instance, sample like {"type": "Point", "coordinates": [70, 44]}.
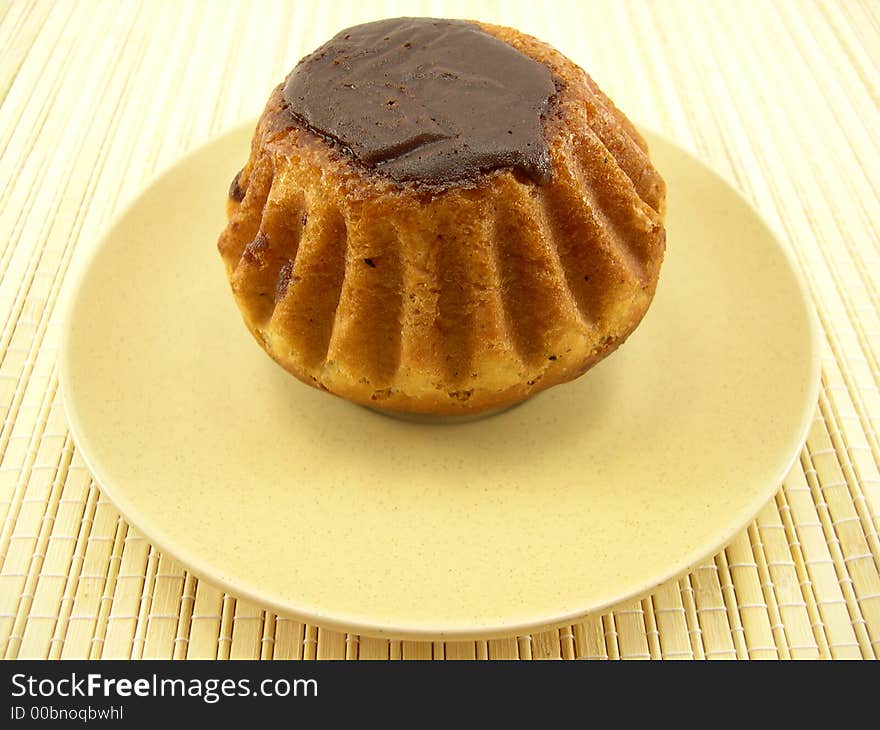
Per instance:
{"type": "Point", "coordinates": [431, 419]}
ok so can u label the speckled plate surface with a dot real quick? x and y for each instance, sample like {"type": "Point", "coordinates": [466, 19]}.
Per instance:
{"type": "Point", "coordinates": [589, 494]}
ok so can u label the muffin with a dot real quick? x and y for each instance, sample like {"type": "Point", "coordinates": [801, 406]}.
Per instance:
{"type": "Point", "coordinates": [442, 217]}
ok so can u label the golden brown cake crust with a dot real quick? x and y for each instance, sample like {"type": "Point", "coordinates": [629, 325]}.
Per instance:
{"type": "Point", "coordinates": [450, 301]}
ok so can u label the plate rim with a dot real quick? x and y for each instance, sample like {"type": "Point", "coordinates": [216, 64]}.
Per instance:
{"type": "Point", "coordinates": [74, 285]}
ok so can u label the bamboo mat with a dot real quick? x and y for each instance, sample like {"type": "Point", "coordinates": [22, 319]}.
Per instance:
{"type": "Point", "coordinates": [783, 98]}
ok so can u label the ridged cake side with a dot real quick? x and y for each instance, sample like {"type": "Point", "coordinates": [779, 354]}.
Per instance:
{"type": "Point", "coordinates": [453, 301]}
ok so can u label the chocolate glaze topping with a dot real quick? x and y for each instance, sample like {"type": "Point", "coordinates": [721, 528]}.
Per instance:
{"type": "Point", "coordinates": [235, 189]}
{"type": "Point", "coordinates": [426, 100]}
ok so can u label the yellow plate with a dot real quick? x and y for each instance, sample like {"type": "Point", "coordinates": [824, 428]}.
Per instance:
{"type": "Point", "coordinates": [591, 493]}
